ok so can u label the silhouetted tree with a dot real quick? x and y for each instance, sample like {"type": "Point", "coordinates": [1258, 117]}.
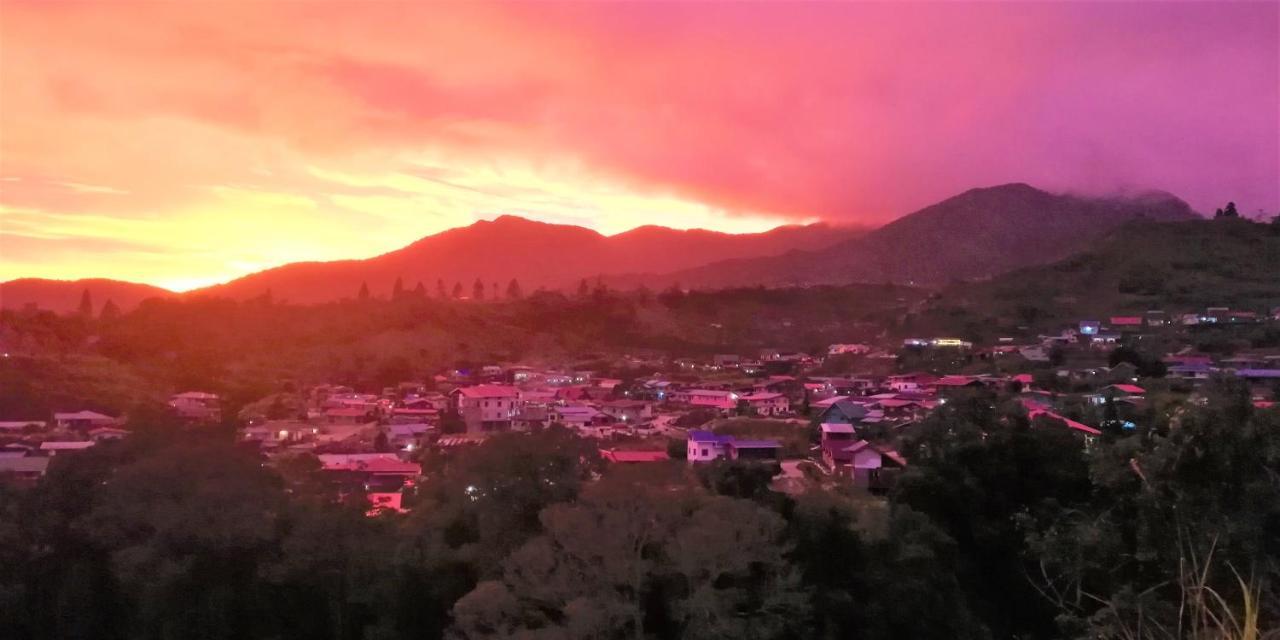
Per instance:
{"type": "Point", "coordinates": [457, 290]}
{"type": "Point", "coordinates": [86, 304]}
{"type": "Point", "coordinates": [440, 290]}
{"type": "Point", "coordinates": [583, 289]}
{"type": "Point", "coordinates": [420, 291]}
{"type": "Point", "coordinates": [477, 290]}
{"type": "Point", "coordinates": [397, 289]}
{"type": "Point", "coordinates": [1229, 212]}
{"type": "Point", "coordinates": [513, 290]}
{"type": "Point", "coordinates": [109, 311]}
{"type": "Point", "coordinates": [364, 291]}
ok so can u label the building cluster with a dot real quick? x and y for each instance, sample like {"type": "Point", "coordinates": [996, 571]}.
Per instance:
{"type": "Point", "coordinates": [851, 424]}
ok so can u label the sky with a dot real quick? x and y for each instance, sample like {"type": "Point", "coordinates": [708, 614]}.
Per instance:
{"type": "Point", "coordinates": [184, 144]}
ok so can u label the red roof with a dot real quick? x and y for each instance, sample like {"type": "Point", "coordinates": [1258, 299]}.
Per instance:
{"type": "Point", "coordinates": [1035, 410]}
{"type": "Point", "coordinates": [377, 466]}
{"type": "Point", "coordinates": [1128, 388]}
{"type": "Point", "coordinates": [1126, 321]}
{"type": "Point", "coordinates": [634, 456]}
{"type": "Point", "coordinates": [488, 391]}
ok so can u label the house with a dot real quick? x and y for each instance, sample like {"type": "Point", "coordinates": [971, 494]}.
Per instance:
{"type": "Point", "coordinates": [23, 468]}
{"type": "Point", "coordinates": [1036, 411]}
{"type": "Point", "coordinates": [531, 417]}
{"type": "Point", "coordinates": [407, 436]}
{"type": "Point", "coordinates": [23, 426]}
{"type": "Point", "coordinates": [1089, 327]}
{"type": "Point", "coordinates": [726, 360]}
{"type": "Point", "coordinates": [910, 381]}
{"type": "Point", "coordinates": [753, 449]}
{"type": "Point", "coordinates": [634, 457]}
{"type": "Point", "coordinates": [54, 447]}
{"type": "Point", "coordinates": [83, 420]}
{"type": "Point", "coordinates": [768, 404]}
{"type": "Point", "coordinates": [486, 408]}
{"type": "Point", "coordinates": [873, 467]}
{"type": "Point", "coordinates": [196, 406]}
{"type": "Point", "coordinates": [628, 411]}
{"type": "Point", "coordinates": [843, 411]}
{"type": "Point", "coordinates": [712, 398]}
{"type": "Point", "coordinates": [348, 415]}
{"type": "Point", "coordinates": [836, 436]}
{"type": "Point", "coordinates": [579, 416]}
{"type": "Point", "coordinates": [372, 471]}
{"type": "Point", "coordinates": [952, 383]}
{"type": "Point", "coordinates": [704, 446]}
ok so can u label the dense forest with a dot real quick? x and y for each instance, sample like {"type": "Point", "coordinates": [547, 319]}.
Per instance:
{"type": "Point", "coordinates": [1000, 528]}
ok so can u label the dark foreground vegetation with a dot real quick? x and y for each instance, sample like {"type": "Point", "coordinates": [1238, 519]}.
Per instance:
{"type": "Point", "coordinates": [1000, 529]}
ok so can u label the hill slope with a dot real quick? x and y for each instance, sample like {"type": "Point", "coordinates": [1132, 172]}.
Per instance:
{"type": "Point", "coordinates": [537, 254]}
{"type": "Point", "coordinates": [977, 234]}
{"type": "Point", "coordinates": [64, 295]}
{"type": "Point", "coordinates": [1176, 267]}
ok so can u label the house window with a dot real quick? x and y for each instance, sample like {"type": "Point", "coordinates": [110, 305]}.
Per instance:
{"type": "Point", "coordinates": [704, 453]}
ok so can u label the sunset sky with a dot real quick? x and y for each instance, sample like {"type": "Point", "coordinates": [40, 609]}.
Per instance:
{"type": "Point", "coordinates": [183, 144]}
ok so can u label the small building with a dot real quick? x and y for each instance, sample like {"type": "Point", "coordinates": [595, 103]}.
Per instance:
{"type": "Point", "coordinates": [83, 420]}
{"type": "Point", "coordinates": [874, 467]}
{"type": "Point", "coordinates": [54, 447]}
{"type": "Point", "coordinates": [704, 446]}
{"type": "Point", "coordinates": [197, 406]}
{"type": "Point", "coordinates": [486, 408]}
{"type": "Point", "coordinates": [768, 404]}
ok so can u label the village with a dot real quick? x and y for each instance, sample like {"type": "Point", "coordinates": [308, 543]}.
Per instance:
{"type": "Point", "coordinates": [834, 418]}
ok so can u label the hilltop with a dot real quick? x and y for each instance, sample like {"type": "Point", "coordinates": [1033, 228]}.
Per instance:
{"type": "Point", "coordinates": [977, 234]}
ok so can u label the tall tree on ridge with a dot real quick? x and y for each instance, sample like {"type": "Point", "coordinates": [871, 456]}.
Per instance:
{"type": "Point", "coordinates": [86, 304]}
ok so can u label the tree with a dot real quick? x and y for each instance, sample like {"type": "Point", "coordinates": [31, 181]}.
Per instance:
{"type": "Point", "coordinates": [420, 291]}
{"type": "Point", "coordinates": [364, 292]}
{"type": "Point", "coordinates": [397, 289]}
{"type": "Point", "coordinates": [86, 305]}
{"type": "Point", "coordinates": [457, 291]}
{"type": "Point", "coordinates": [1228, 212]}
{"type": "Point", "coordinates": [477, 290]}
{"type": "Point", "coordinates": [109, 311]}
{"type": "Point", "coordinates": [513, 290]}
{"type": "Point", "coordinates": [440, 290]}
{"type": "Point", "coordinates": [583, 289]}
